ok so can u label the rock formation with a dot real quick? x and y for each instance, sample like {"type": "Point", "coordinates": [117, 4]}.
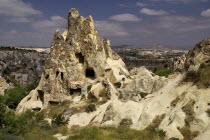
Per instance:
{"type": "Point", "coordinates": [195, 57]}
{"type": "Point", "coordinates": [81, 66]}
{"type": "Point", "coordinates": [80, 63]}
{"type": "Point", "coordinates": [20, 65]}
{"type": "Point", "coordinates": [3, 86]}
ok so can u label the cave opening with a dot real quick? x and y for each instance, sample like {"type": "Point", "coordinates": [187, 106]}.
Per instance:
{"type": "Point", "coordinates": [47, 77]}
{"type": "Point", "coordinates": [41, 95]}
{"type": "Point", "coordinates": [80, 57]}
{"type": "Point", "coordinates": [57, 72]}
{"type": "Point", "coordinates": [61, 75]}
{"type": "Point", "coordinates": [90, 73]}
{"type": "Point", "coordinates": [76, 92]}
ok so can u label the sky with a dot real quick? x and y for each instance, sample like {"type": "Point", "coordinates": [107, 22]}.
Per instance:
{"type": "Point", "coordinates": [125, 22]}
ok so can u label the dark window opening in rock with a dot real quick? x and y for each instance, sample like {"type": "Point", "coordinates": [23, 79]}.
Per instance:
{"type": "Point", "coordinates": [76, 92]}
{"type": "Point", "coordinates": [36, 109]}
{"type": "Point", "coordinates": [107, 70]}
{"type": "Point", "coordinates": [117, 85]}
{"type": "Point", "coordinates": [53, 102]}
{"type": "Point", "coordinates": [57, 72]}
{"type": "Point", "coordinates": [80, 57]}
{"type": "Point", "coordinates": [90, 73]}
{"type": "Point", "coordinates": [47, 77]}
{"type": "Point", "coordinates": [29, 99]}
{"type": "Point", "coordinates": [41, 95]}
{"type": "Point", "coordinates": [61, 75]}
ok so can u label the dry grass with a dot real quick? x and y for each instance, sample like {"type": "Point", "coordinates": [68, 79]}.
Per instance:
{"type": "Point", "coordinates": [156, 122]}
{"type": "Point", "coordinates": [189, 111]}
{"type": "Point", "coordinates": [175, 101]}
{"type": "Point", "coordinates": [187, 133]}
{"type": "Point", "coordinates": [201, 77]}
{"type": "Point", "coordinates": [111, 133]}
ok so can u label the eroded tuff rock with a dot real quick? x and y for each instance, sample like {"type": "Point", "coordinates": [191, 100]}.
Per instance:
{"type": "Point", "coordinates": [3, 86]}
{"type": "Point", "coordinates": [21, 66]}
{"type": "Point", "coordinates": [192, 61]}
{"type": "Point", "coordinates": [82, 65]}
{"type": "Point", "coordinates": [79, 64]}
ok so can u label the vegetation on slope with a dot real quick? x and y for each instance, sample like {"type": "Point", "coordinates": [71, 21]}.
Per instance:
{"type": "Point", "coordinates": [14, 95]}
{"type": "Point", "coordinates": [164, 72]}
{"type": "Point", "coordinates": [201, 77]}
{"type": "Point", "coordinates": [111, 133]}
{"type": "Point", "coordinates": [32, 125]}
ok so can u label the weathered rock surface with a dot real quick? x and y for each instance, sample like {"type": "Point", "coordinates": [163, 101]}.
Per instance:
{"type": "Point", "coordinates": [81, 66]}
{"type": "Point", "coordinates": [192, 61]}
{"type": "Point", "coordinates": [21, 66]}
{"type": "Point", "coordinates": [3, 86]}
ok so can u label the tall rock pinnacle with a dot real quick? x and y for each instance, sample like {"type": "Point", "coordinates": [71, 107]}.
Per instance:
{"type": "Point", "coordinates": [80, 64]}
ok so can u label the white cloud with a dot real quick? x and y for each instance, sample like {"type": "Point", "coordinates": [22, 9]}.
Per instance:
{"type": "Point", "coordinates": [17, 8]}
{"type": "Point", "coordinates": [173, 22]}
{"type": "Point", "coordinates": [125, 17]}
{"type": "Point", "coordinates": [206, 13]}
{"type": "Point", "coordinates": [153, 12]}
{"type": "Point", "coordinates": [141, 4]}
{"type": "Point", "coordinates": [107, 28]}
{"type": "Point", "coordinates": [55, 22]}
{"type": "Point", "coordinates": [19, 19]}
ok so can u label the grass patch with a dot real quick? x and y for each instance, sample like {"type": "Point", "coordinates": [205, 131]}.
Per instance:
{"type": "Point", "coordinates": [53, 110]}
{"type": "Point", "coordinates": [201, 77]}
{"type": "Point", "coordinates": [187, 133]}
{"type": "Point", "coordinates": [110, 133]}
{"type": "Point", "coordinates": [156, 122]}
{"type": "Point", "coordinates": [189, 111]}
{"type": "Point", "coordinates": [164, 72]}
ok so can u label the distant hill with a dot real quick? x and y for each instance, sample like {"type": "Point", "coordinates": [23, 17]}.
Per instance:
{"type": "Point", "coordinates": [158, 47]}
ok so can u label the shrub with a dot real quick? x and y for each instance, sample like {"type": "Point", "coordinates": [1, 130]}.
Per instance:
{"type": "Point", "coordinates": [164, 72]}
{"type": "Point", "coordinates": [126, 122]}
{"type": "Point", "coordinates": [19, 93]}
{"type": "Point", "coordinates": [90, 108]}
{"type": "Point", "coordinates": [59, 120]}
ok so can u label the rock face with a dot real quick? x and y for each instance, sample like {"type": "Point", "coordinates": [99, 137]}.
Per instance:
{"type": "Point", "coordinates": [79, 64]}
{"type": "Point", "coordinates": [21, 66]}
{"type": "Point", "coordinates": [195, 57]}
{"type": "Point", "coordinates": [3, 86]}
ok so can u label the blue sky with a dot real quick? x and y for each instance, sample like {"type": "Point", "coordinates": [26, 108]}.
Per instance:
{"type": "Point", "coordinates": [135, 22]}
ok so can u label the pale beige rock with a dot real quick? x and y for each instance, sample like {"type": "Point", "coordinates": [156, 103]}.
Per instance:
{"type": "Point", "coordinates": [3, 86]}
{"type": "Point", "coordinates": [78, 60]}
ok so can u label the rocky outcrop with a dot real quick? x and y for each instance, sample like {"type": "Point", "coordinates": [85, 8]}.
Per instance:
{"type": "Point", "coordinates": [20, 65]}
{"type": "Point", "coordinates": [192, 61]}
{"type": "Point", "coordinates": [3, 86]}
{"type": "Point", "coordinates": [80, 64]}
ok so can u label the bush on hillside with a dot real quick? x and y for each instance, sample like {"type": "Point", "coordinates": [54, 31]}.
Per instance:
{"type": "Point", "coordinates": [13, 96]}
{"type": "Point", "coordinates": [164, 72]}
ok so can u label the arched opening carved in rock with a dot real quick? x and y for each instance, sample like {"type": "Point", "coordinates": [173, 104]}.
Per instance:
{"type": "Point", "coordinates": [90, 73]}
{"type": "Point", "coordinates": [80, 57]}
{"type": "Point", "coordinates": [75, 92]}
{"type": "Point", "coordinates": [41, 95]}
{"type": "Point", "coordinates": [57, 72]}
{"type": "Point", "coordinates": [61, 75]}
